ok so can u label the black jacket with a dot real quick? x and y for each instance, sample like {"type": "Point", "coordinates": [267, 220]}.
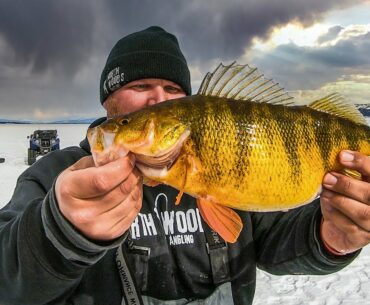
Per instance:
{"type": "Point", "coordinates": [44, 260]}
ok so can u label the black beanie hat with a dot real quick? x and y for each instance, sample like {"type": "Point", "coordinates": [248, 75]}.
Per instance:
{"type": "Point", "coordinates": [151, 53]}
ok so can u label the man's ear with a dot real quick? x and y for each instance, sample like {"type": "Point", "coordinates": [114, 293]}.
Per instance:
{"type": "Point", "coordinates": [110, 106]}
{"type": "Point", "coordinates": [105, 104]}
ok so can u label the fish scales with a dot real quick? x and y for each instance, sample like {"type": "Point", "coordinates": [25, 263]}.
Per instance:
{"type": "Point", "coordinates": [243, 147]}
{"type": "Point", "coordinates": [331, 133]}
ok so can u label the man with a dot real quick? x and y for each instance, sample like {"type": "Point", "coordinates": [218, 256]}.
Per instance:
{"type": "Point", "coordinates": [74, 233]}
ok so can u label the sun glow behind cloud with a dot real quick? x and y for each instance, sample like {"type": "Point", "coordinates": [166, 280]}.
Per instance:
{"type": "Point", "coordinates": [308, 37]}
{"type": "Point", "coordinates": [292, 33]}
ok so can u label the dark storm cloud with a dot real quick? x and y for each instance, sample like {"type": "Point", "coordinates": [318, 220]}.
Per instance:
{"type": "Point", "coordinates": [351, 53]}
{"type": "Point", "coordinates": [46, 34]}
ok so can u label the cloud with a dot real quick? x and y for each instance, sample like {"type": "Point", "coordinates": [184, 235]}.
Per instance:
{"type": "Point", "coordinates": [355, 91]}
{"type": "Point", "coordinates": [52, 52]}
{"type": "Point", "coordinates": [331, 34]}
{"type": "Point", "coordinates": [302, 67]}
{"type": "Point", "coordinates": [52, 35]}
{"type": "Point", "coordinates": [358, 78]}
{"type": "Point", "coordinates": [350, 53]}
{"type": "Point", "coordinates": [218, 30]}
{"type": "Point", "coordinates": [338, 62]}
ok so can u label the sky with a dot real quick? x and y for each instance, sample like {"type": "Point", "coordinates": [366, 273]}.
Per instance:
{"type": "Point", "coordinates": [52, 52]}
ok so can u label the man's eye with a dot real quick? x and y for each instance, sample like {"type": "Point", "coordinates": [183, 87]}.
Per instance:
{"type": "Point", "coordinates": [172, 89]}
{"type": "Point", "coordinates": [140, 86]}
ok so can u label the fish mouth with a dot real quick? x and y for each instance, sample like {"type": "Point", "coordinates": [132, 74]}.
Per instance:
{"type": "Point", "coordinates": [102, 148]}
{"type": "Point", "coordinates": [161, 163]}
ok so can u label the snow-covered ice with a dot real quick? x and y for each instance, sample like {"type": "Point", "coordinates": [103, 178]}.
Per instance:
{"type": "Point", "coordinates": [350, 286]}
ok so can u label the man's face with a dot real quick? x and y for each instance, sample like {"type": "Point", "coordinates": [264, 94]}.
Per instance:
{"type": "Point", "coordinates": [139, 94]}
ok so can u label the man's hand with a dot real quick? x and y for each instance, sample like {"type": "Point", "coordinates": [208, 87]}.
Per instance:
{"type": "Point", "coordinates": [101, 202]}
{"type": "Point", "coordinates": [345, 205]}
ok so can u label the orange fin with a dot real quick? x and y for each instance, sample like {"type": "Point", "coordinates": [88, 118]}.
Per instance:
{"type": "Point", "coordinates": [150, 182]}
{"type": "Point", "coordinates": [178, 197]}
{"type": "Point", "coordinates": [181, 190]}
{"type": "Point", "coordinates": [223, 220]}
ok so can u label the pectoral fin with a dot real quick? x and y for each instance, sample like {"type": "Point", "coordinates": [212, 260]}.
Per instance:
{"type": "Point", "coordinates": [222, 219]}
{"type": "Point", "coordinates": [150, 182]}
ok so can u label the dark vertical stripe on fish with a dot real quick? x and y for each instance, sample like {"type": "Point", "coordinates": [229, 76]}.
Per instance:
{"type": "Point", "coordinates": [349, 132]}
{"type": "Point", "coordinates": [286, 121]}
{"type": "Point", "coordinates": [210, 126]}
{"type": "Point", "coordinates": [326, 135]}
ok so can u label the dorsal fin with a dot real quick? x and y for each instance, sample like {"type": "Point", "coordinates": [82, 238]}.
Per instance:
{"type": "Point", "coordinates": [241, 82]}
{"type": "Point", "coordinates": [335, 104]}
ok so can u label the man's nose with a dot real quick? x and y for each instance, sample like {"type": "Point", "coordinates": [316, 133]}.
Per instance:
{"type": "Point", "coordinates": [157, 95]}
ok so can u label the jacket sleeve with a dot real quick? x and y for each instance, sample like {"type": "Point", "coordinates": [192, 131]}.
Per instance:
{"type": "Point", "coordinates": [42, 257]}
{"type": "Point", "coordinates": [289, 243]}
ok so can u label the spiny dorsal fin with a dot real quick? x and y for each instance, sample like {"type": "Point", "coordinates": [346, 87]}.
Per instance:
{"type": "Point", "coordinates": [335, 104]}
{"type": "Point", "coordinates": [241, 82]}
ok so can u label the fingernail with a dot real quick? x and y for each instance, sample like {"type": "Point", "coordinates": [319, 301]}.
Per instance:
{"type": "Point", "coordinates": [347, 156]}
{"type": "Point", "coordinates": [329, 179]}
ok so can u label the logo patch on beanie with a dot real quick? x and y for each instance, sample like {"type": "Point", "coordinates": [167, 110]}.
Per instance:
{"type": "Point", "coordinates": [113, 81]}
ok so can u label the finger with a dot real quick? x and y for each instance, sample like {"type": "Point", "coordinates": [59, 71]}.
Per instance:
{"type": "Point", "coordinates": [134, 179]}
{"type": "Point", "coordinates": [116, 221]}
{"type": "Point", "coordinates": [83, 212]}
{"type": "Point", "coordinates": [352, 236]}
{"type": "Point", "coordinates": [355, 160]}
{"type": "Point", "coordinates": [331, 214]}
{"type": "Point", "coordinates": [132, 201]}
{"type": "Point", "coordinates": [353, 188]}
{"type": "Point", "coordinates": [124, 223]}
{"type": "Point", "coordinates": [116, 195]}
{"type": "Point", "coordinates": [356, 211]}
{"type": "Point", "coordinates": [96, 181]}
{"type": "Point", "coordinates": [120, 193]}
{"type": "Point", "coordinates": [84, 162]}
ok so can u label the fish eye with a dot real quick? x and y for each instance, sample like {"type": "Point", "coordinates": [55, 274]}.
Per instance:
{"type": "Point", "coordinates": [124, 121]}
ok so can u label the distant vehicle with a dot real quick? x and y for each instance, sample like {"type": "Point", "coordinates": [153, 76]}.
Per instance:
{"type": "Point", "coordinates": [42, 142]}
{"type": "Point", "coordinates": [2, 160]}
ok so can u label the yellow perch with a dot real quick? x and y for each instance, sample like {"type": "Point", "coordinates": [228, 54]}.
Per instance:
{"type": "Point", "coordinates": [239, 143]}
